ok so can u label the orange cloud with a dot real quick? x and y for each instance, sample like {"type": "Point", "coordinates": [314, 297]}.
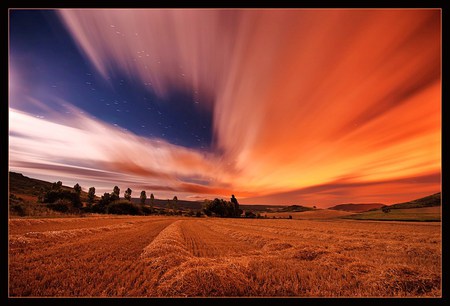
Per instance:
{"type": "Point", "coordinates": [302, 97]}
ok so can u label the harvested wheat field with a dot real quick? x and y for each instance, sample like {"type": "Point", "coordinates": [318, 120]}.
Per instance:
{"type": "Point", "coordinates": [191, 257]}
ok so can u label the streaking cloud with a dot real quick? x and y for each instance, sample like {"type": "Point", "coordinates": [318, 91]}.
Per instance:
{"type": "Point", "coordinates": [302, 98]}
{"type": "Point", "coordinates": [80, 148]}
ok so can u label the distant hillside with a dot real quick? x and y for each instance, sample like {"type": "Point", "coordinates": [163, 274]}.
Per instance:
{"type": "Point", "coordinates": [428, 201]}
{"type": "Point", "coordinates": [423, 209]}
{"type": "Point", "coordinates": [20, 184]}
{"type": "Point", "coordinates": [23, 185]}
{"type": "Point", "coordinates": [295, 208]}
{"type": "Point", "coordinates": [357, 207]}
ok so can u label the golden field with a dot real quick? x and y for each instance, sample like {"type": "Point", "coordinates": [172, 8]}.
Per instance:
{"type": "Point", "coordinates": [189, 257]}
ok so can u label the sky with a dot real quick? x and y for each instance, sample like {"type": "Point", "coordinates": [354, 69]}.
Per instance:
{"type": "Point", "coordinates": [276, 106]}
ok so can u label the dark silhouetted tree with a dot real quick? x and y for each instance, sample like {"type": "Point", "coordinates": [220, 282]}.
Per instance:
{"type": "Point", "coordinates": [77, 188]}
{"type": "Point", "coordinates": [69, 199]}
{"type": "Point", "coordinates": [143, 197]}
{"type": "Point", "coordinates": [127, 194]}
{"type": "Point", "coordinates": [249, 214]}
{"type": "Point", "coordinates": [152, 200]}
{"type": "Point", "coordinates": [207, 207]}
{"type": "Point", "coordinates": [103, 203]}
{"type": "Point", "coordinates": [175, 202]}
{"type": "Point", "coordinates": [57, 185]}
{"type": "Point", "coordinates": [236, 210]}
{"type": "Point", "coordinates": [41, 195]}
{"type": "Point", "coordinates": [91, 196]}
{"type": "Point", "coordinates": [219, 207]}
{"type": "Point", "coordinates": [115, 195]}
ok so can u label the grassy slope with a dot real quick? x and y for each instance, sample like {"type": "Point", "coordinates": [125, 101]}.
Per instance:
{"type": "Point", "coordinates": [29, 188]}
{"type": "Point", "coordinates": [22, 185]}
{"type": "Point", "coordinates": [423, 209]}
{"type": "Point", "coordinates": [429, 201]}
{"type": "Point", "coordinates": [316, 214]}
{"type": "Point", "coordinates": [356, 207]}
{"type": "Point", "coordinates": [409, 214]}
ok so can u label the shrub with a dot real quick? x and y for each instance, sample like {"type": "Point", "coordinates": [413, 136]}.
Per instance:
{"type": "Point", "coordinates": [146, 210]}
{"type": "Point", "coordinates": [53, 196]}
{"type": "Point", "coordinates": [221, 208]}
{"type": "Point", "coordinates": [124, 207]}
{"type": "Point", "coordinates": [61, 205]}
{"type": "Point", "coordinates": [18, 208]}
{"type": "Point", "coordinates": [249, 214]}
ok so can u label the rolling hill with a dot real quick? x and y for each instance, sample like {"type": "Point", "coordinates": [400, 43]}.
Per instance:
{"type": "Point", "coordinates": [428, 201]}
{"type": "Point", "coordinates": [295, 208]}
{"type": "Point", "coordinates": [423, 209]}
{"type": "Point", "coordinates": [30, 187]}
{"type": "Point", "coordinates": [357, 207]}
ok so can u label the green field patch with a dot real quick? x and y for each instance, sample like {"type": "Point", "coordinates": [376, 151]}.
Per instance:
{"type": "Point", "coordinates": [411, 214]}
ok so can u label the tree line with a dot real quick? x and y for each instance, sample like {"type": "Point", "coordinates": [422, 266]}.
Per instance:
{"type": "Point", "coordinates": [69, 200]}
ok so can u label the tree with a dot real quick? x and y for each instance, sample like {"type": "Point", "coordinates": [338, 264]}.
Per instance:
{"type": "Point", "coordinates": [249, 214]}
{"type": "Point", "coordinates": [77, 188]}
{"type": "Point", "coordinates": [152, 200]}
{"type": "Point", "coordinates": [175, 202]}
{"type": "Point", "coordinates": [237, 211]}
{"type": "Point", "coordinates": [127, 194]}
{"type": "Point", "coordinates": [57, 185]}
{"type": "Point", "coordinates": [206, 207]}
{"type": "Point", "coordinates": [124, 207]}
{"type": "Point", "coordinates": [41, 195]}
{"type": "Point", "coordinates": [91, 195]}
{"type": "Point", "coordinates": [63, 196]}
{"type": "Point", "coordinates": [143, 197]}
{"type": "Point", "coordinates": [217, 206]}
{"type": "Point", "coordinates": [103, 203]}
{"type": "Point", "coordinates": [115, 195]}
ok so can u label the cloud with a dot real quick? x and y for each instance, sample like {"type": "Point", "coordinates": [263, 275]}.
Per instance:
{"type": "Point", "coordinates": [301, 97]}
{"type": "Point", "coordinates": [81, 148]}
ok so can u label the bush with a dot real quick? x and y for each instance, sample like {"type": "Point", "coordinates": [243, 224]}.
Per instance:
{"type": "Point", "coordinates": [249, 214]}
{"type": "Point", "coordinates": [18, 209]}
{"type": "Point", "coordinates": [61, 205]}
{"type": "Point", "coordinates": [146, 210]}
{"type": "Point", "coordinates": [221, 208]}
{"type": "Point", "coordinates": [386, 209]}
{"type": "Point", "coordinates": [124, 207]}
{"type": "Point", "coordinates": [53, 196]}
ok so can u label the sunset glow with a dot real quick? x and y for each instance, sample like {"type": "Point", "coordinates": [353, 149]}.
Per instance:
{"type": "Point", "coordinates": [297, 106]}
